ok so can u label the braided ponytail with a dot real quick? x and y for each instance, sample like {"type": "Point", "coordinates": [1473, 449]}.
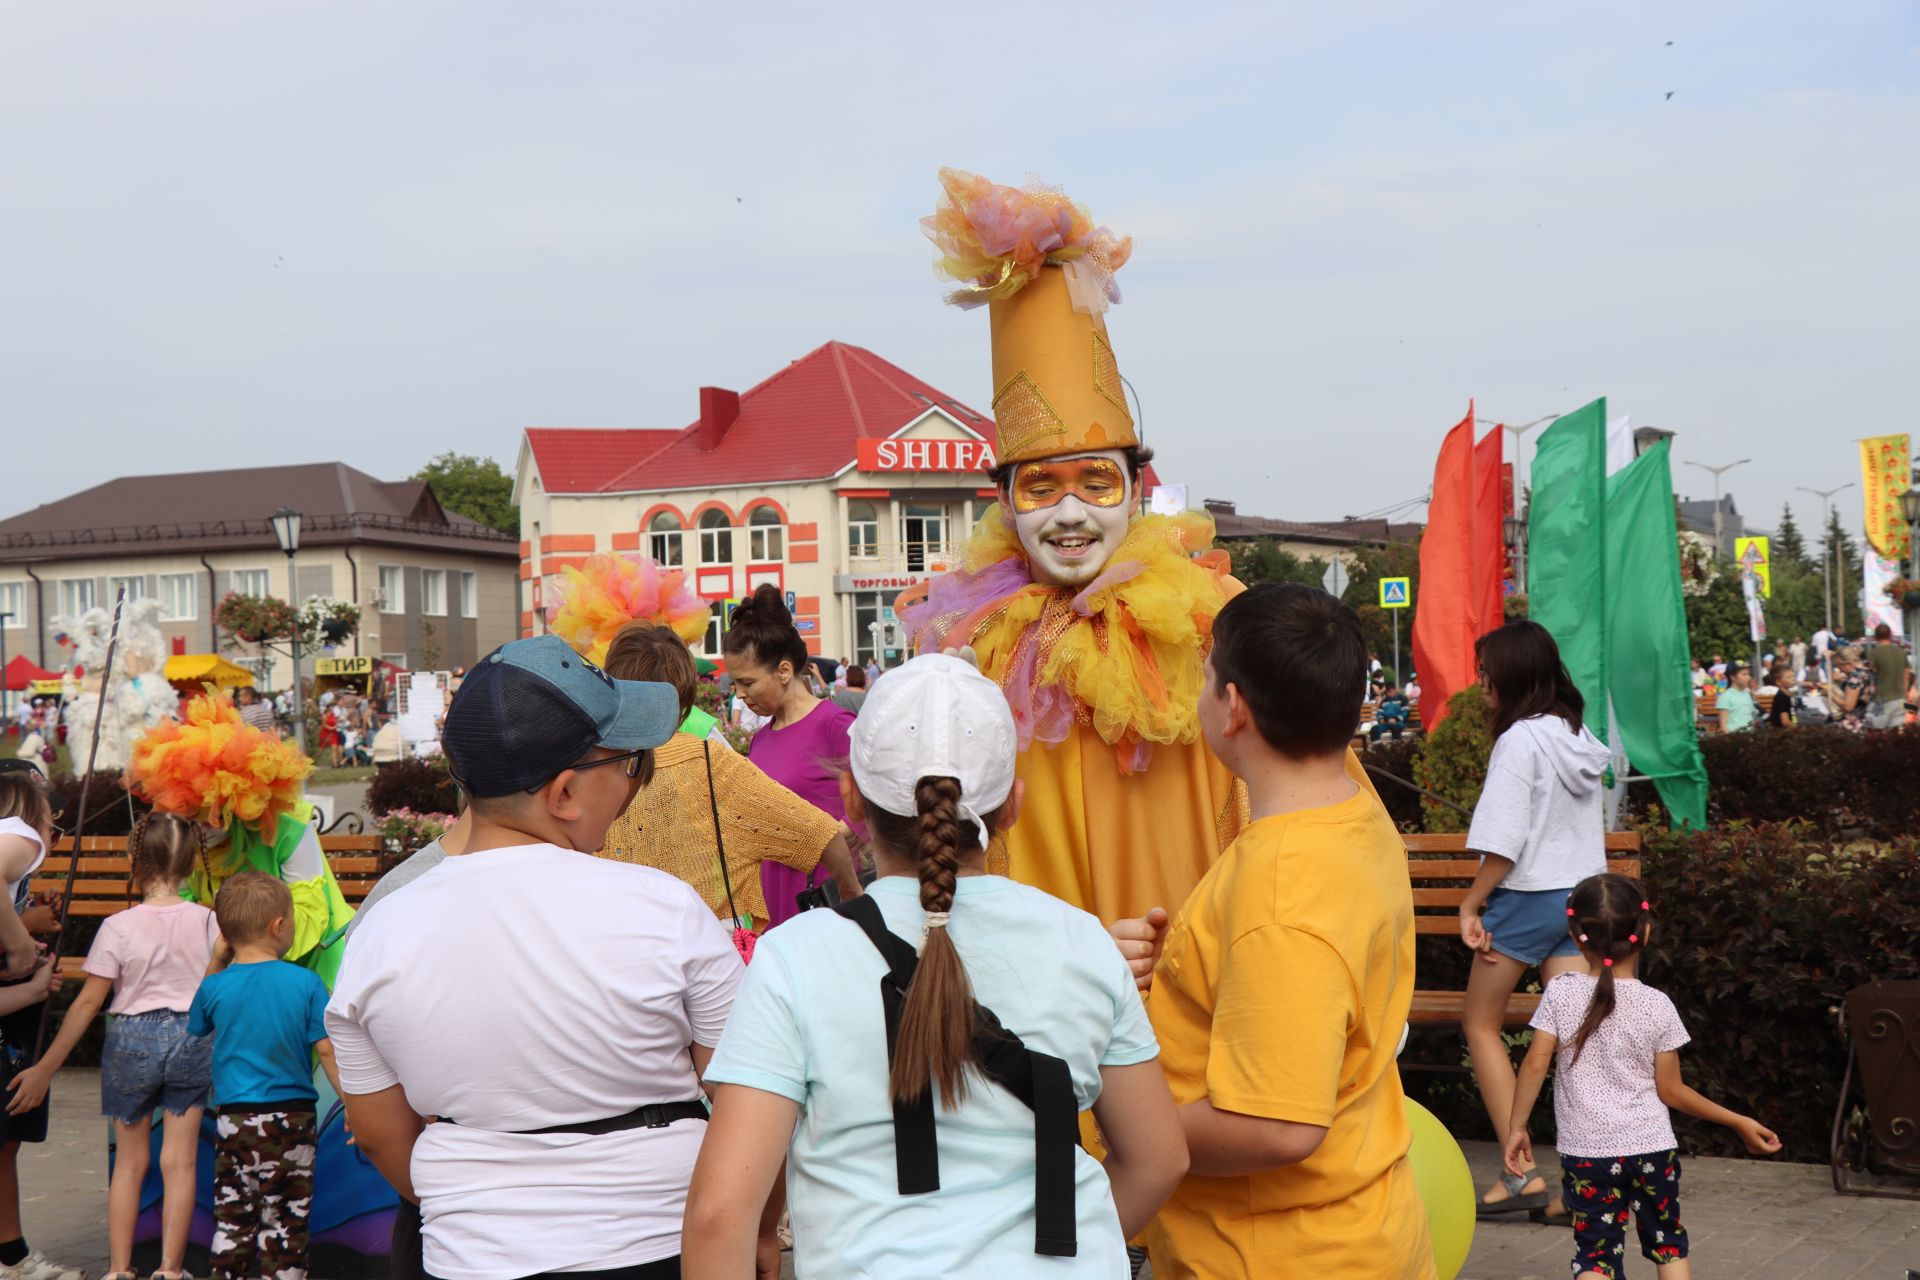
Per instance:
{"type": "Point", "coordinates": [1608, 915]}
{"type": "Point", "coordinates": [935, 1044]}
{"type": "Point", "coordinates": [162, 847]}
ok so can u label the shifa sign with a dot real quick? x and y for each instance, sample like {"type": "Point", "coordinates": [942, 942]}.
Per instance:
{"type": "Point", "coordinates": [926, 455]}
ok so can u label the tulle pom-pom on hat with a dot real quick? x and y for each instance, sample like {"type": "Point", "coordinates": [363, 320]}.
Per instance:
{"type": "Point", "coordinates": [215, 767]}
{"type": "Point", "coordinates": [611, 590]}
{"type": "Point", "coordinates": [994, 239]}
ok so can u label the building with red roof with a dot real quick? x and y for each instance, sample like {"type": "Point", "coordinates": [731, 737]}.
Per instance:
{"type": "Point", "coordinates": [842, 479]}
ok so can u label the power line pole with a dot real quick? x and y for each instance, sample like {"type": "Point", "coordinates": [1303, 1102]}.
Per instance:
{"type": "Point", "coordinates": [1826, 543]}
{"type": "Point", "coordinates": [1717, 472]}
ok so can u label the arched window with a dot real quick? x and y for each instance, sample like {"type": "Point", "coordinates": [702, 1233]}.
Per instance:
{"type": "Point", "coordinates": [765, 537]}
{"type": "Point", "coordinates": [665, 538]}
{"type": "Point", "coordinates": [863, 530]}
{"type": "Point", "coordinates": [716, 539]}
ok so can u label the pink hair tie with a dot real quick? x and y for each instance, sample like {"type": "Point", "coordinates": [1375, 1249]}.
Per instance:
{"type": "Point", "coordinates": [1608, 962]}
{"type": "Point", "coordinates": [1583, 937]}
{"type": "Point", "coordinates": [1646, 906]}
{"type": "Point", "coordinates": [1633, 937]}
{"type": "Point", "coordinates": [1569, 913]}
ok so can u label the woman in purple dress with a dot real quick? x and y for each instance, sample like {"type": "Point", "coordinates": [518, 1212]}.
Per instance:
{"type": "Point", "coordinates": [807, 742]}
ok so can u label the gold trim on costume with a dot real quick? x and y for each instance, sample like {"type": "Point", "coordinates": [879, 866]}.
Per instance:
{"type": "Point", "coordinates": [1106, 374]}
{"type": "Point", "coordinates": [1025, 418]}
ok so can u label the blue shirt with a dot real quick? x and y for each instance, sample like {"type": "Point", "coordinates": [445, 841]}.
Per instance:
{"type": "Point", "coordinates": [265, 1020]}
{"type": "Point", "coordinates": [808, 1025]}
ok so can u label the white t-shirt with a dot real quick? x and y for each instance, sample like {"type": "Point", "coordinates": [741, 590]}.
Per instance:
{"type": "Point", "coordinates": [1607, 1103]}
{"type": "Point", "coordinates": [809, 1026]}
{"type": "Point", "coordinates": [1540, 806]}
{"type": "Point", "coordinates": [26, 831]}
{"type": "Point", "coordinates": [516, 989]}
{"type": "Point", "coordinates": [1822, 641]}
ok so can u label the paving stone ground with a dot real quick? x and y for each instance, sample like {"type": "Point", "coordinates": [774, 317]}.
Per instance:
{"type": "Point", "coordinates": [1755, 1220]}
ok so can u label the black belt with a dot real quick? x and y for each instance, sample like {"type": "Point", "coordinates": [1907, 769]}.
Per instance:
{"type": "Point", "coordinates": [1043, 1082]}
{"type": "Point", "coordinates": [655, 1115]}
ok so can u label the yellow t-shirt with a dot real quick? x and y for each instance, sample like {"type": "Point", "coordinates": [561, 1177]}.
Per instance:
{"type": "Point", "coordinates": [1281, 993]}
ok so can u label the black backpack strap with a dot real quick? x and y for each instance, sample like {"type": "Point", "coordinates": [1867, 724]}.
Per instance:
{"type": "Point", "coordinates": [916, 1154]}
{"type": "Point", "coordinates": [1041, 1081]}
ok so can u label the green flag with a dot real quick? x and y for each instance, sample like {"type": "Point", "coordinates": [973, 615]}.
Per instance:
{"type": "Point", "coordinates": [1566, 550]}
{"type": "Point", "coordinates": [1648, 662]}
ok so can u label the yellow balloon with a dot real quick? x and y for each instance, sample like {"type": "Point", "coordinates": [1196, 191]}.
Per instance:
{"type": "Point", "coordinates": [1446, 1188]}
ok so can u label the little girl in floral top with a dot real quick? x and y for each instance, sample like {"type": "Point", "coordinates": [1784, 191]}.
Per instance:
{"type": "Point", "coordinates": [1616, 1044]}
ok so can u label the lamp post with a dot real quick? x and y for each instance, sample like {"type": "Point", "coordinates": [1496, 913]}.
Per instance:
{"type": "Point", "coordinates": [5, 618]}
{"type": "Point", "coordinates": [286, 531]}
{"type": "Point", "coordinates": [1826, 550]}
{"type": "Point", "coordinates": [1517, 433]}
{"type": "Point", "coordinates": [1910, 508]}
{"type": "Point", "coordinates": [1514, 531]}
{"type": "Point", "coordinates": [1717, 549]}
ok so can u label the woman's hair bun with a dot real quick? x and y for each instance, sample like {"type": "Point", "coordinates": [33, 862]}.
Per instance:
{"type": "Point", "coordinates": [769, 605]}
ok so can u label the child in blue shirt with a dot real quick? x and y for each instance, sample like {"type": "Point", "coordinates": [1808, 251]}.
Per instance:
{"type": "Point", "coordinates": [265, 1016]}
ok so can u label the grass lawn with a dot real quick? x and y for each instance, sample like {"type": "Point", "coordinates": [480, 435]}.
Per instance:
{"type": "Point", "coordinates": [10, 745]}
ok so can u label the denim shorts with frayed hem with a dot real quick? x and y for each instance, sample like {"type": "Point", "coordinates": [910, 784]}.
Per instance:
{"type": "Point", "coordinates": [150, 1061]}
{"type": "Point", "coordinates": [1529, 924]}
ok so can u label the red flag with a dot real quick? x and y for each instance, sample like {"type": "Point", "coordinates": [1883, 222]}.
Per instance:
{"type": "Point", "coordinates": [1461, 558]}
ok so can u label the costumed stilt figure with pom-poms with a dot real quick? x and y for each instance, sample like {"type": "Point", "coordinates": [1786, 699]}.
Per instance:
{"type": "Point", "coordinates": [1095, 617]}
{"type": "Point", "coordinates": [244, 787]}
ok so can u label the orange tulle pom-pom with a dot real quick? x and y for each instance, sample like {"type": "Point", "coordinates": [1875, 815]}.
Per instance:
{"type": "Point", "coordinates": [994, 239]}
{"type": "Point", "coordinates": [215, 767]}
{"type": "Point", "coordinates": [611, 590]}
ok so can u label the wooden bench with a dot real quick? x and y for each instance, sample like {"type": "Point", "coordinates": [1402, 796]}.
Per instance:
{"type": "Point", "coordinates": [100, 885]}
{"type": "Point", "coordinates": [1441, 872]}
{"type": "Point", "coordinates": [1706, 710]}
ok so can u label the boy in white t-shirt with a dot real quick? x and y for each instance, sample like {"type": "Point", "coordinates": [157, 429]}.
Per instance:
{"type": "Point", "coordinates": [554, 1010]}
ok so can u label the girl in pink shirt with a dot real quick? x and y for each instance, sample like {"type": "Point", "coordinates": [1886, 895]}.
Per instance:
{"type": "Point", "coordinates": [149, 959]}
{"type": "Point", "coordinates": [1615, 1043]}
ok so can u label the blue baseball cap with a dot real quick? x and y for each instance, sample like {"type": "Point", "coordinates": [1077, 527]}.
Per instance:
{"type": "Point", "coordinates": [533, 708]}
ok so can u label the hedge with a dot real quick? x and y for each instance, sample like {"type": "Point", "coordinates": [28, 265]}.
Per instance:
{"type": "Point", "coordinates": [1759, 932]}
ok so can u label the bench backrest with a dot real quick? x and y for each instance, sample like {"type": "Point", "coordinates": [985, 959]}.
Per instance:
{"type": "Point", "coordinates": [100, 880]}
{"type": "Point", "coordinates": [1441, 872]}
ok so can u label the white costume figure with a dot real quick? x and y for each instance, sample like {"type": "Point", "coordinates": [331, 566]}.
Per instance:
{"type": "Point", "coordinates": [139, 697]}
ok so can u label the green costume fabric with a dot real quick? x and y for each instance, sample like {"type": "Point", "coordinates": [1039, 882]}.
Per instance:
{"type": "Point", "coordinates": [699, 723]}
{"type": "Point", "coordinates": [293, 854]}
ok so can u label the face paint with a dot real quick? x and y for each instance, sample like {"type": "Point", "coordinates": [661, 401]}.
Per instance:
{"type": "Point", "coordinates": [1098, 482]}
{"type": "Point", "coordinates": [1069, 541]}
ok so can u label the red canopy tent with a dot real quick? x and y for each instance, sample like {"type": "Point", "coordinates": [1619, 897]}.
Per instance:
{"type": "Point", "coordinates": [20, 673]}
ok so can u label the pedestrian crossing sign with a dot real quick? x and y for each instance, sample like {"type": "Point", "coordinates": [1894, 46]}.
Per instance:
{"type": "Point", "coordinates": [1396, 593]}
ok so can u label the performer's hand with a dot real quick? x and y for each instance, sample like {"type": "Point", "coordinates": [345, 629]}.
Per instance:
{"type": "Point", "coordinates": [29, 1090]}
{"type": "Point", "coordinates": [1139, 941]}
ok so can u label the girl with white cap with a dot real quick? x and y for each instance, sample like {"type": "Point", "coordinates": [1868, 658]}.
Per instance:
{"type": "Point", "coordinates": [918, 1056]}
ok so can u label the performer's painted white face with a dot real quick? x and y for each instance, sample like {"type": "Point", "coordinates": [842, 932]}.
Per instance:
{"type": "Point", "coordinates": [1071, 513]}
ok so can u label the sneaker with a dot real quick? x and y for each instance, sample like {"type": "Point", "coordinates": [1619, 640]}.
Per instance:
{"type": "Point", "coordinates": [36, 1266]}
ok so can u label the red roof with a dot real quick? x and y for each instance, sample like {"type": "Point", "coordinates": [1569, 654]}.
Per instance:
{"type": "Point", "coordinates": [803, 423]}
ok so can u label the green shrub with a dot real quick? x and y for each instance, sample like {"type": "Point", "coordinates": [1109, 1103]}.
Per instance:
{"type": "Point", "coordinates": [1844, 784]}
{"type": "Point", "coordinates": [423, 786]}
{"type": "Point", "coordinates": [1398, 758]}
{"type": "Point", "coordinates": [1453, 762]}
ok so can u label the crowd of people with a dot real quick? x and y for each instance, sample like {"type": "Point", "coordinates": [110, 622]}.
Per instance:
{"type": "Point", "coordinates": [1856, 686]}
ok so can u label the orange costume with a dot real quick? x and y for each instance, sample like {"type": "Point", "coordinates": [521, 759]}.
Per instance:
{"type": "Point", "coordinates": [1125, 807]}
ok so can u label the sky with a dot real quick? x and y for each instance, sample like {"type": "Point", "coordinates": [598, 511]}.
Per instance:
{"type": "Point", "coordinates": [272, 231]}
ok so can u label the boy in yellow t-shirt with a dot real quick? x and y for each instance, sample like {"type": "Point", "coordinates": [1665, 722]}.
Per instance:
{"type": "Point", "coordinates": [1282, 987]}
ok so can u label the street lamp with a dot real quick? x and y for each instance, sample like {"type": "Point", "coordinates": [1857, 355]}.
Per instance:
{"type": "Point", "coordinates": [1517, 433]}
{"type": "Point", "coordinates": [286, 531]}
{"type": "Point", "coordinates": [1514, 529]}
{"type": "Point", "coordinates": [1718, 550]}
{"type": "Point", "coordinates": [1826, 549]}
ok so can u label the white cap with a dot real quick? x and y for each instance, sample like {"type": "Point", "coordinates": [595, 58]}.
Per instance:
{"type": "Point", "coordinates": [935, 717]}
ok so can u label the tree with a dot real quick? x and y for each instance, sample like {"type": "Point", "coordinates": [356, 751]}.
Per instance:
{"type": "Point", "coordinates": [1788, 546]}
{"type": "Point", "coordinates": [474, 487]}
{"type": "Point", "coordinates": [1717, 621]}
{"type": "Point", "coordinates": [1372, 562]}
{"type": "Point", "coordinates": [1258, 560]}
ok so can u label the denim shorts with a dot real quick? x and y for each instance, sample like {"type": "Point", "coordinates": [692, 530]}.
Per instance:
{"type": "Point", "coordinates": [1529, 924]}
{"type": "Point", "coordinates": [150, 1061]}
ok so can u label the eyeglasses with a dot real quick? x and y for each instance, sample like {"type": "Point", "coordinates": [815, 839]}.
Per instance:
{"type": "Point", "coordinates": [636, 762]}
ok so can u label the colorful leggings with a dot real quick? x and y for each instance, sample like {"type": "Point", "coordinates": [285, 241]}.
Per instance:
{"type": "Point", "coordinates": [1604, 1193]}
{"type": "Point", "coordinates": [263, 1188]}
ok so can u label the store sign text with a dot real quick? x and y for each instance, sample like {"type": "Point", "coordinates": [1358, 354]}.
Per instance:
{"type": "Point", "coordinates": [926, 455]}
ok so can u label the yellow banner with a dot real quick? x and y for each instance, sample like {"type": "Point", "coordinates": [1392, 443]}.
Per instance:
{"type": "Point", "coordinates": [1883, 478]}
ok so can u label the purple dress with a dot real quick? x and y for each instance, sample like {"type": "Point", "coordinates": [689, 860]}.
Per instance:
{"type": "Point", "coordinates": [807, 758]}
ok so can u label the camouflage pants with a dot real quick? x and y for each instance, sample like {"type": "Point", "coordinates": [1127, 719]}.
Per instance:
{"type": "Point", "coordinates": [263, 1188]}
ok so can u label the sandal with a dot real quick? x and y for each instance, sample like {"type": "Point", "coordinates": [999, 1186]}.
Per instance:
{"type": "Point", "coordinates": [1546, 1217]}
{"type": "Point", "coordinates": [1516, 1200]}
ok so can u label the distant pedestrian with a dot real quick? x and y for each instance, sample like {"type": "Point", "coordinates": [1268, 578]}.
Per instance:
{"type": "Point", "coordinates": [853, 693]}
{"type": "Point", "coordinates": [1780, 713]}
{"type": "Point", "coordinates": [1850, 690]}
{"type": "Point", "coordinates": [1737, 708]}
{"type": "Point", "coordinates": [1892, 680]}
{"type": "Point", "coordinates": [1798, 652]}
{"type": "Point", "coordinates": [255, 710]}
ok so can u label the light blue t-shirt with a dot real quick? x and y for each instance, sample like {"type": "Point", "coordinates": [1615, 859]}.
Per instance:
{"type": "Point", "coordinates": [265, 1020]}
{"type": "Point", "coordinates": [1740, 709]}
{"type": "Point", "coordinates": [808, 1025]}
